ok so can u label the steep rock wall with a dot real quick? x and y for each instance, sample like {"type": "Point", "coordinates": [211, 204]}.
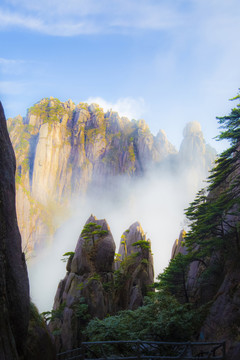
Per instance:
{"type": "Point", "coordinates": [93, 287]}
{"type": "Point", "coordinates": [14, 298]}
{"type": "Point", "coordinates": [23, 334]}
{"type": "Point", "coordinates": [65, 151]}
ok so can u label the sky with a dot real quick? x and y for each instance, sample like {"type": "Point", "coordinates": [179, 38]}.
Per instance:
{"type": "Point", "coordinates": [167, 61]}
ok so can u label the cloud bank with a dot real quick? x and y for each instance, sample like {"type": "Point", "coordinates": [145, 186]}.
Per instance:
{"type": "Point", "coordinates": [129, 107]}
{"type": "Point", "coordinates": [157, 201]}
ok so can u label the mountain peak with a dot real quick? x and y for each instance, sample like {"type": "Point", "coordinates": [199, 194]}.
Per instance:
{"type": "Point", "coordinates": [192, 128]}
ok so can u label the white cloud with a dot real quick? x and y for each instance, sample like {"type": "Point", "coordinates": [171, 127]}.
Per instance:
{"type": "Point", "coordinates": [156, 201]}
{"type": "Point", "coordinates": [100, 16]}
{"type": "Point", "coordinates": [129, 107]}
{"type": "Point", "coordinates": [11, 66]}
{"type": "Point", "coordinates": [59, 7]}
{"type": "Point", "coordinates": [87, 16]}
{"type": "Point", "coordinates": [57, 27]}
{"type": "Point", "coordinates": [8, 19]}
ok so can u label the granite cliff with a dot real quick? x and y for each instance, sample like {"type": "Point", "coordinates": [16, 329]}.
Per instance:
{"type": "Point", "coordinates": [65, 150]}
{"type": "Point", "coordinates": [207, 256]}
{"type": "Point", "coordinates": [13, 279]}
{"type": "Point", "coordinates": [96, 285]}
{"type": "Point", "coordinates": [23, 335]}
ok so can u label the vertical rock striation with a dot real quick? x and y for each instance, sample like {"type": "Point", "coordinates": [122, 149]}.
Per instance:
{"type": "Point", "coordinates": [93, 287]}
{"type": "Point", "coordinates": [135, 267]}
{"type": "Point", "coordinates": [14, 287]}
{"type": "Point", "coordinates": [23, 333]}
{"type": "Point", "coordinates": [65, 151]}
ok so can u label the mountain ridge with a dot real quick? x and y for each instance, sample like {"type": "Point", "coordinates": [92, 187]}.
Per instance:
{"type": "Point", "coordinates": [64, 150]}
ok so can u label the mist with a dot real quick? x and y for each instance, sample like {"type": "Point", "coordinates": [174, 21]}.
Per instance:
{"type": "Point", "coordinates": [156, 200]}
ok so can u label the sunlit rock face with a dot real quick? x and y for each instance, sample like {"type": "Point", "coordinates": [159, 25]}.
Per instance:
{"type": "Point", "coordinates": [93, 287]}
{"type": "Point", "coordinates": [14, 287]}
{"type": "Point", "coordinates": [23, 333]}
{"type": "Point", "coordinates": [135, 251]}
{"type": "Point", "coordinates": [193, 149]}
{"type": "Point", "coordinates": [65, 151]}
{"type": "Point", "coordinates": [62, 149]}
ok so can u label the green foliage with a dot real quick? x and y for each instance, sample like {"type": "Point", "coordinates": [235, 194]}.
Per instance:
{"type": "Point", "coordinates": [122, 274]}
{"type": "Point", "coordinates": [83, 105]}
{"type": "Point", "coordinates": [174, 279]}
{"type": "Point", "coordinates": [35, 317]}
{"type": "Point", "coordinates": [161, 318]}
{"type": "Point", "coordinates": [131, 153]}
{"type": "Point", "coordinates": [80, 286]}
{"type": "Point", "coordinates": [214, 216]}
{"type": "Point", "coordinates": [143, 244]}
{"type": "Point", "coordinates": [108, 286]}
{"type": "Point", "coordinates": [36, 328]}
{"type": "Point", "coordinates": [117, 257]}
{"type": "Point", "coordinates": [95, 276]}
{"type": "Point", "coordinates": [228, 161]}
{"type": "Point", "coordinates": [92, 232]}
{"type": "Point", "coordinates": [54, 314]}
{"type": "Point", "coordinates": [49, 114]}
{"type": "Point", "coordinates": [68, 255]}
{"type": "Point", "coordinates": [213, 235]}
{"type": "Point", "coordinates": [81, 310]}
{"type": "Point", "coordinates": [124, 243]}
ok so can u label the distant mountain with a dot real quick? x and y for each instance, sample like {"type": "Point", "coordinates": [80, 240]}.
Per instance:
{"type": "Point", "coordinates": [65, 150]}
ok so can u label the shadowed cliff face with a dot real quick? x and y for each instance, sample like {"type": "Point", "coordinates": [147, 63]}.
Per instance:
{"type": "Point", "coordinates": [23, 333]}
{"type": "Point", "coordinates": [65, 150]}
{"type": "Point", "coordinates": [93, 288]}
{"type": "Point", "coordinates": [14, 288]}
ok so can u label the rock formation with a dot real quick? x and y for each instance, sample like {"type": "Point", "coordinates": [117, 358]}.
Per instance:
{"type": "Point", "coordinates": [135, 259]}
{"type": "Point", "coordinates": [178, 246]}
{"type": "Point", "coordinates": [19, 329]}
{"type": "Point", "coordinates": [193, 150]}
{"type": "Point", "coordinates": [221, 291]}
{"type": "Point", "coordinates": [93, 288]}
{"type": "Point", "coordinates": [223, 318]}
{"type": "Point", "coordinates": [14, 298]}
{"type": "Point", "coordinates": [65, 150]}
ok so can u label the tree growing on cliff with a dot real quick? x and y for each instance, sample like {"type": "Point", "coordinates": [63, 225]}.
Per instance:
{"type": "Point", "coordinates": [228, 161]}
{"type": "Point", "coordinates": [214, 215]}
{"type": "Point", "coordinates": [174, 279]}
{"type": "Point", "coordinates": [92, 232]}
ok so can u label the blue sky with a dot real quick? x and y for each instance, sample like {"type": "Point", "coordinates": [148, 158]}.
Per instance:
{"type": "Point", "coordinates": [167, 61]}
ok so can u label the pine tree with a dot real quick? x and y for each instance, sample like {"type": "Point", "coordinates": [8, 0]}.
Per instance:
{"type": "Point", "coordinates": [214, 214]}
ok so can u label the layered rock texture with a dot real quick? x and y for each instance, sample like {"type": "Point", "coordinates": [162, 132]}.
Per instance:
{"type": "Point", "coordinates": [65, 150]}
{"type": "Point", "coordinates": [22, 334]}
{"type": "Point", "coordinates": [96, 285]}
{"type": "Point", "coordinates": [14, 294]}
{"type": "Point", "coordinates": [215, 283]}
{"type": "Point", "coordinates": [221, 292]}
